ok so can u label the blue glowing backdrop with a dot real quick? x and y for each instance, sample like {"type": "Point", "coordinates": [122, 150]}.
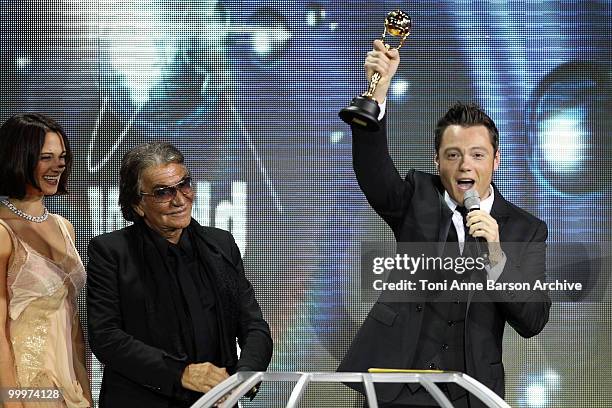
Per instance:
{"type": "Point", "coordinates": [250, 90]}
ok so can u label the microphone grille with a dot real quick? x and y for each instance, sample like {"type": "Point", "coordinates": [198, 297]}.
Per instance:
{"type": "Point", "coordinates": [471, 199]}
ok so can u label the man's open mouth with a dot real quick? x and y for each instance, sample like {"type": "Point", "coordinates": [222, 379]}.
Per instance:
{"type": "Point", "coordinates": [465, 184]}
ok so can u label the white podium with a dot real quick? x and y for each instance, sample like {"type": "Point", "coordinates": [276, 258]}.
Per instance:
{"type": "Point", "coordinates": [240, 383]}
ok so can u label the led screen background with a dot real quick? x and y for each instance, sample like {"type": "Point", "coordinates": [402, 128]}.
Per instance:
{"type": "Point", "coordinates": [250, 90]}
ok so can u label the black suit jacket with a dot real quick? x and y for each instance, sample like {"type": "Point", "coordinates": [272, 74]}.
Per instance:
{"type": "Point", "coordinates": [415, 210]}
{"type": "Point", "coordinates": [136, 373]}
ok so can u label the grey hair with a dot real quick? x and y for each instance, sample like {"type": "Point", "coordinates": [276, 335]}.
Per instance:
{"type": "Point", "coordinates": [134, 163]}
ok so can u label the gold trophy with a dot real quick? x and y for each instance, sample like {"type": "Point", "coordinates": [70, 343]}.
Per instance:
{"type": "Point", "coordinates": [363, 110]}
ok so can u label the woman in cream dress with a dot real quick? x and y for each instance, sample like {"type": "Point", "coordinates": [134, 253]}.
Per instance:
{"type": "Point", "coordinates": [41, 273]}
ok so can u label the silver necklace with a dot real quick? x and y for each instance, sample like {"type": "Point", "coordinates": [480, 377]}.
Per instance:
{"type": "Point", "coordinates": [28, 217]}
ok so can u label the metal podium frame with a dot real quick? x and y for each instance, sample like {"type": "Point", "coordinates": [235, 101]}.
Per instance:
{"type": "Point", "coordinates": [240, 383]}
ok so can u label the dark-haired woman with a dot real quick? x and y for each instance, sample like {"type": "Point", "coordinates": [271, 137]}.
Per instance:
{"type": "Point", "coordinates": [41, 273]}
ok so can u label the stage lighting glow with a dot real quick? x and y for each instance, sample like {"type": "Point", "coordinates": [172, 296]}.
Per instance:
{"type": "Point", "coordinates": [315, 14]}
{"type": "Point", "coordinates": [336, 136]}
{"type": "Point", "coordinates": [569, 127]}
{"type": "Point", "coordinates": [140, 71]}
{"type": "Point", "coordinates": [23, 62]}
{"type": "Point", "coordinates": [552, 378]}
{"type": "Point", "coordinates": [164, 65]}
{"type": "Point", "coordinates": [262, 42]}
{"type": "Point", "coordinates": [541, 389]}
{"type": "Point", "coordinates": [152, 48]}
{"type": "Point", "coordinates": [399, 88]}
{"type": "Point", "coordinates": [270, 35]}
{"type": "Point", "coordinates": [266, 42]}
{"type": "Point", "coordinates": [562, 139]}
{"type": "Point", "coordinates": [536, 396]}
{"type": "Point", "coordinates": [133, 51]}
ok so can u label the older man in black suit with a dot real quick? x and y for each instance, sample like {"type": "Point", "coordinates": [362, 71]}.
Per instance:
{"type": "Point", "coordinates": [167, 298]}
{"type": "Point", "coordinates": [461, 336]}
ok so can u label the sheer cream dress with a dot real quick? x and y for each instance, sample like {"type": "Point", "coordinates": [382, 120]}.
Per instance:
{"type": "Point", "coordinates": [43, 321]}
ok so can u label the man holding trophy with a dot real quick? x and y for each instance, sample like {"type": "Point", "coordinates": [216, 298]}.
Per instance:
{"type": "Point", "coordinates": [462, 335]}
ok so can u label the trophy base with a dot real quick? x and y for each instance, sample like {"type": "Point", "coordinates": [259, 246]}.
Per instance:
{"type": "Point", "coordinates": [363, 112]}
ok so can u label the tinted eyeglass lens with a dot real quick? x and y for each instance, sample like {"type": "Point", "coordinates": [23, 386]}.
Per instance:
{"type": "Point", "coordinates": [164, 194]}
{"type": "Point", "coordinates": [185, 186]}
{"type": "Point", "coordinates": [168, 193]}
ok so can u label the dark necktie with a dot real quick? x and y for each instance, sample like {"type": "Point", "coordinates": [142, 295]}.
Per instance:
{"type": "Point", "coordinates": [466, 244]}
{"type": "Point", "coordinates": [469, 241]}
{"type": "Point", "coordinates": [463, 211]}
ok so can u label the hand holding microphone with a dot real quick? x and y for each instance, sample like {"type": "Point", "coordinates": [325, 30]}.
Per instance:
{"type": "Point", "coordinates": [483, 228]}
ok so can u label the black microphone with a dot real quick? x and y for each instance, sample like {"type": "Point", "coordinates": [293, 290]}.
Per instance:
{"type": "Point", "coordinates": [471, 202]}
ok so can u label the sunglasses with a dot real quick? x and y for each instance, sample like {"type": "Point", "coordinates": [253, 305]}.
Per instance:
{"type": "Point", "coordinates": [165, 194]}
